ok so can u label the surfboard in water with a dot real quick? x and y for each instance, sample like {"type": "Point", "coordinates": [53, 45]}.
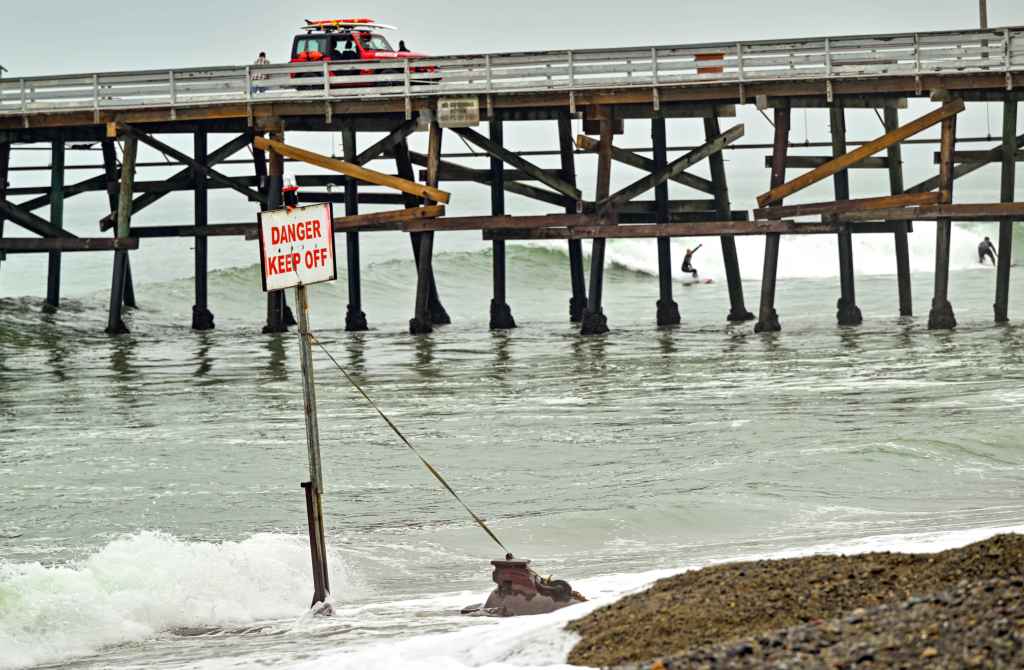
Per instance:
{"type": "Point", "coordinates": [697, 282]}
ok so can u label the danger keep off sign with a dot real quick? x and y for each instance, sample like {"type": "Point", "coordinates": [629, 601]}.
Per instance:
{"type": "Point", "coordinates": [297, 246]}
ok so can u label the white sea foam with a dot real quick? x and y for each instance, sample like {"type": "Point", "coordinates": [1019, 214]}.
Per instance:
{"type": "Point", "coordinates": [800, 256]}
{"type": "Point", "coordinates": [140, 585]}
{"type": "Point", "coordinates": [143, 584]}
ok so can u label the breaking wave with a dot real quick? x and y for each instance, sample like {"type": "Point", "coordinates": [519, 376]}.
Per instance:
{"type": "Point", "coordinates": [140, 585]}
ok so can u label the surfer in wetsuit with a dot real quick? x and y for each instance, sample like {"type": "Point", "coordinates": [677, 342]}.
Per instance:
{"type": "Point", "coordinates": [986, 248]}
{"type": "Point", "coordinates": [688, 261]}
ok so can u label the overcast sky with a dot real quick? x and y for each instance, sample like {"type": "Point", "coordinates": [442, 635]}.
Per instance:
{"type": "Point", "coordinates": [63, 36]}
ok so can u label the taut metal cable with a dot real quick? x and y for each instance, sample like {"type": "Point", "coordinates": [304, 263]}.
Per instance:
{"type": "Point", "coordinates": [480, 522]}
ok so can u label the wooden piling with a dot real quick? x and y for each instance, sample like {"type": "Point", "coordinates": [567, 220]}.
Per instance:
{"type": "Point", "coordinates": [422, 322]}
{"type": "Point", "coordinates": [501, 313]}
{"type": "Point", "coordinates": [277, 321]}
{"type": "Point", "coordinates": [355, 318]}
{"type": "Point", "coordinates": [5, 166]}
{"type": "Point", "coordinates": [941, 316]}
{"type": "Point", "coordinates": [1006, 194]}
{"type": "Point", "coordinates": [737, 306]}
{"type": "Point", "coordinates": [847, 312]}
{"type": "Point", "coordinates": [112, 176]}
{"type": "Point", "coordinates": [768, 318]}
{"type": "Point", "coordinates": [667, 308]}
{"type": "Point", "coordinates": [202, 317]}
{"type": "Point", "coordinates": [115, 323]}
{"type": "Point", "coordinates": [57, 220]}
{"type": "Point", "coordinates": [403, 163]}
{"type": "Point", "coordinates": [894, 155]}
{"type": "Point", "coordinates": [567, 153]}
{"type": "Point", "coordinates": [594, 320]}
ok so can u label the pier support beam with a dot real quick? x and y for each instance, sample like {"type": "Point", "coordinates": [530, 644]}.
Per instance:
{"type": "Point", "coordinates": [57, 220]}
{"type": "Point", "coordinates": [202, 318]}
{"type": "Point", "coordinates": [737, 307]}
{"type": "Point", "coordinates": [894, 156]}
{"type": "Point", "coordinates": [768, 318]}
{"type": "Point", "coordinates": [115, 324]}
{"type": "Point", "coordinates": [5, 166]}
{"type": "Point", "coordinates": [847, 312]}
{"type": "Point", "coordinates": [567, 151]}
{"type": "Point", "coordinates": [355, 318]}
{"type": "Point", "coordinates": [403, 162]}
{"type": "Point", "coordinates": [501, 313]}
{"type": "Point", "coordinates": [279, 317]}
{"type": "Point", "coordinates": [668, 309]}
{"type": "Point", "coordinates": [941, 316]}
{"type": "Point", "coordinates": [112, 176]}
{"type": "Point", "coordinates": [422, 321]}
{"type": "Point", "coordinates": [1006, 225]}
{"type": "Point", "coordinates": [594, 321]}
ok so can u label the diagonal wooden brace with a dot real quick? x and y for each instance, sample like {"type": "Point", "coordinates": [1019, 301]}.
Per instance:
{"type": "Point", "coordinates": [30, 222]}
{"type": "Point", "coordinates": [962, 169]}
{"type": "Point", "coordinates": [617, 200]}
{"type": "Point", "coordinates": [91, 184]}
{"type": "Point", "coordinates": [196, 166]}
{"type": "Point", "coordinates": [860, 153]}
{"type": "Point", "coordinates": [183, 179]}
{"type": "Point", "coordinates": [503, 154]}
{"type": "Point", "coordinates": [646, 164]}
{"type": "Point", "coordinates": [484, 177]}
{"type": "Point", "coordinates": [352, 170]}
{"type": "Point", "coordinates": [392, 140]}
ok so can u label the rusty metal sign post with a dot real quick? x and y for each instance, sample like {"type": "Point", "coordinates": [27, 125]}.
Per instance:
{"type": "Point", "coordinates": [296, 250]}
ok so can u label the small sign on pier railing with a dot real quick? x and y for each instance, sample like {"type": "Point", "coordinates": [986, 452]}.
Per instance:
{"type": "Point", "coordinates": [458, 112]}
{"type": "Point", "coordinates": [297, 249]}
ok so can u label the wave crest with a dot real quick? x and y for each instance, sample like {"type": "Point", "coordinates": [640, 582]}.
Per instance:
{"type": "Point", "coordinates": [140, 585]}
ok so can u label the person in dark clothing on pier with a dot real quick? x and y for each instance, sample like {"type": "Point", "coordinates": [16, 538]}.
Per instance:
{"type": "Point", "coordinates": [986, 248]}
{"type": "Point", "coordinates": [401, 45]}
{"type": "Point", "coordinates": [688, 261]}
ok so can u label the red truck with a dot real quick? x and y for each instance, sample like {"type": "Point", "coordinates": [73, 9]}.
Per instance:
{"type": "Point", "coordinates": [343, 40]}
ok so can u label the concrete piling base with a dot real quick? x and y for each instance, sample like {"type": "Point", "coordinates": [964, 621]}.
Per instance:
{"type": "Point", "coordinates": [594, 323]}
{"type": "Point", "coordinates": [202, 318]}
{"type": "Point", "coordinates": [420, 327]}
{"type": "Point", "coordinates": [848, 314]}
{"type": "Point", "coordinates": [668, 313]}
{"type": "Point", "coordinates": [355, 320]}
{"type": "Point", "coordinates": [1001, 313]}
{"type": "Point", "coordinates": [769, 324]}
{"type": "Point", "coordinates": [941, 316]}
{"type": "Point", "coordinates": [501, 316]}
{"type": "Point", "coordinates": [739, 315]}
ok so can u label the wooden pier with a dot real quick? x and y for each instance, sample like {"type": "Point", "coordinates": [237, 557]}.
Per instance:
{"type": "Point", "coordinates": [604, 88]}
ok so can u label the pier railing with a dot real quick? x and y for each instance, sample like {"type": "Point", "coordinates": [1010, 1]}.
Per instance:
{"type": "Point", "coordinates": [822, 59]}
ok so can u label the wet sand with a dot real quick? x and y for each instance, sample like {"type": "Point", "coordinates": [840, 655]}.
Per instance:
{"type": "Point", "coordinates": [958, 608]}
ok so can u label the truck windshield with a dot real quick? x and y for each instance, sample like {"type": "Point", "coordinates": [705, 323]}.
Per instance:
{"type": "Point", "coordinates": [374, 42]}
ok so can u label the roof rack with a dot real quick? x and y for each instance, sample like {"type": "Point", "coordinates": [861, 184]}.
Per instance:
{"type": "Point", "coordinates": [344, 25]}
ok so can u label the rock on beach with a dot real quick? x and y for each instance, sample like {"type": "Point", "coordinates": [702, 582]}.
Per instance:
{"type": "Point", "coordinates": [960, 608]}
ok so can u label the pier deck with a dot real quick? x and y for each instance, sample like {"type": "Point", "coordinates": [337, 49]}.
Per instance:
{"type": "Point", "coordinates": [605, 88]}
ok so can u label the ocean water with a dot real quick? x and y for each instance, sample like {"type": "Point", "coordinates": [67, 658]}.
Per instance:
{"type": "Point", "coordinates": [151, 515]}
